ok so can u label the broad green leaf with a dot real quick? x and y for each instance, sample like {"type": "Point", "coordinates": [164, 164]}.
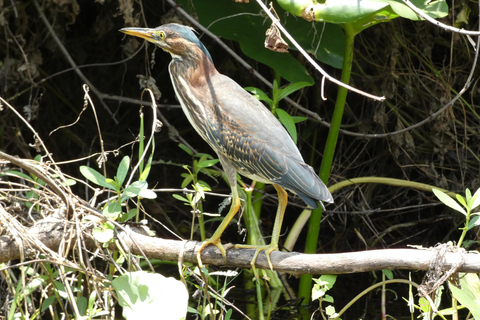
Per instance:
{"type": "Point", "coordinates": [260, 95]}
{"type": "Point", "coordinates": [476, 200]}
{"type": "Point", "coordinates": [138, 189]}
{"type": "Point", "coordinates": [122, 169]}
{"type": "Point", "coordinates": [434, 9]}
{"type": "Point", "coordinates": [95, 177]}
{"type": "Point", "coordinates": [47, 303]}
{"type": "Point", "coordinates": [114, 183]}
{"type": "Point", "coordinates": [298, 119]}
{"type": "Point", "coordinates": [112, 211]}
{"type": "Point", "coordinates": [143, 294]}
{"type": "Point", "coordinates": [82, 305]}
{"type": "Point", "coordinates": [288, 90]}
{"type": "Point", "coordinates": [187, 180]}
{"type": "Point", "coordinates": [343, 11]}
{"type": "Point", "coordinates": [329, 279]}
{"type": "Point", "coordinates": [469, 292]}
{"type": "Point", "coordinates": [388, 274]}
{"type": "Point", "coordinates": [243, 23]}
{"type": "Point", "coordinates": [448, 201]}
{"type": "Point", "coordinates": [474, 222]}
{"type": "Point", "coordinates": [129, 215]}
{"type": "Point", "coordinates": [207, 163]}
{"type": "Point", "coordinates": [102, 235]}
{"type": "Point", "coordinates": [287, 121]}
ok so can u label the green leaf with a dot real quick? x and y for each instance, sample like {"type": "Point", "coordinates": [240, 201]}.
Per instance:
{"type": "Point", "coordinates": [82, 305]}
{"type": "Point", "coordinates": [129, 215]}
{"type": "Point", "coordinates": [475, 200]}
{"type": "Point", "coordinates": [122, 169]}
{"type": "Point", "coordinates": [114, 183]}
{"type": "Point", "coordinates": [287, 121]}
{"type": "Point", "coordinates": [260, 95]}
{"type": "Point", "coordinates": [179, 197]}
{"type": "Point", "coordinates": [329, 280]}
{"type": "Point", "coordinates": [288, 90]}
{"type": "Point", "coordinates": [187, 180]}
{"type": "Point", "coordinates": [462, 200]}
{"type": "Point", "coordinates": [242, 23]}
{"type": "Point", "coordinates": [207, 163]}
{"type": "Point", "coordinates": [469, 292]}
{"type": "Point", "coordinates": [342, 11]}
{"type": "Point", "coordinates": [434, 9]}
{"type": "Point", "coordinates": [18, 174]}
{"type": "Point", "coordinates": [112, 211]}
{"type": "Point", "coordinates": [448, 201]}
{"type": "Point", "coordinates": [143, 294]}
{"type": "Point", "coordinates": [47, 303]}
{"type": "Point", "coordinates": [298, 119]}
{"type": "Point", "coordinates": [186, 149]}
{"type": "Point", "coordinates": [138, 189]}
{"type": "Point", "coordinates": [95, 177]}
{"type": "Point", "coordinates": [148, 167]}
{"type": "Point", "coordinates": [102, 235]}
{"type": "Point", "coordinates": [475, 221]}
{"type": "Point", "coordinates": [388, 274]}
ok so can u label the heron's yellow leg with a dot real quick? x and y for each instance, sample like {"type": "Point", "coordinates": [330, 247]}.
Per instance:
{"type": "Point", "coordinates": [277, 227]}
{"type": "Point", "coordinates": [215, 238]}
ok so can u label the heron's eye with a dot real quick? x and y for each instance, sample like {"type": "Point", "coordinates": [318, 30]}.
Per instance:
{"type": "Point", "coordinates": [161, 35]}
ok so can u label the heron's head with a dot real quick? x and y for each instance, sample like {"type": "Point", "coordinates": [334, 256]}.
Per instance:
{"type": "Point", "coordinates": [180, 41]}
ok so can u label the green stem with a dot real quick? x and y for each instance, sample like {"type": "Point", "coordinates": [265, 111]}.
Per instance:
{"type": "Point", "coordinates": [258, 198]}
{"type": "Point", "coordinates": [465, 229]}
{"type": "Point", "coordinates": [201, 220]}
{"type": "Point", "coordinates": [305, 288]}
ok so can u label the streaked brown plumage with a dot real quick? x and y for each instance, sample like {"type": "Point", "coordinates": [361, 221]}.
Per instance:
{"type": "Point", "coordinates": [247, 138]}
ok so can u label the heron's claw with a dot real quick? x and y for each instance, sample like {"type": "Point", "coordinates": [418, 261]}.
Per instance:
{"type": "Point", "coordinates": [259, 248]}
{"type": "Point", "coordinates": [215, 242]}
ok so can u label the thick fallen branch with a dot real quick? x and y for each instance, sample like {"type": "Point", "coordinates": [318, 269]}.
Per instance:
{"type": "Point", "coordinates": [52, 231]}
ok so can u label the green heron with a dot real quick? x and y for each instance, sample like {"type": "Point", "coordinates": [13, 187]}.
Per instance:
{"type": "Point", "coordinates": [246, 136]}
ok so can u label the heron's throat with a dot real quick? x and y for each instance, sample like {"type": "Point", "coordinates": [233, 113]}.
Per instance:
{"type": "Point", "coordinates": [196, 72]}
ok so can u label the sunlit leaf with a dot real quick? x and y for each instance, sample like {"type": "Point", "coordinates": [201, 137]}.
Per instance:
{"type": "Point", "coordinates": [95, 177]}
{"type": "Point", "coordinates": [143, 294]}
{"type": "Point", "coordinates": [287, 121]}
{"type": "Point", "coordinates": [447, 200]}
{"type": "Point", "coordinates": [122, 169]}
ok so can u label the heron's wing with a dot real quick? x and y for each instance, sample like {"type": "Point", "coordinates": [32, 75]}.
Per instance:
{"type": "Point", "coordinates": [245, 131]}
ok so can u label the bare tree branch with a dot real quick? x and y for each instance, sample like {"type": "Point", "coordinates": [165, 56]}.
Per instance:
{"type": "Point", "coordinates": [51, 232]}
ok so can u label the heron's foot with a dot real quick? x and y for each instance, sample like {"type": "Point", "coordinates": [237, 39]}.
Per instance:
{"type": "Point", "coordinates": [259, 248]}
{"type": "Point", "coordinates": [215, 242]}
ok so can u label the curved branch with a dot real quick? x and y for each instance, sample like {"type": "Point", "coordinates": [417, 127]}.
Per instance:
{"type": "Point", "coordinates": [52, 232]}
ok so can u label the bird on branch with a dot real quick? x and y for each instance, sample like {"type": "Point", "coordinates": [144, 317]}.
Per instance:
{"type": "Point", "coordinates": [246, 136]}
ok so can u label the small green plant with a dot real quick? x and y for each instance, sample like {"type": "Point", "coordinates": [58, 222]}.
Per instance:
{"type": "Point", "coordinates": [319, 292]}
{"type": "Point", "coordinates": [467, 291]}
{"type": "Point", "coordinates": [113, 210]}
{"type": "Point", "coordinates": [201, 164]}
{"type": "Point", "coordinates": [469, 204]}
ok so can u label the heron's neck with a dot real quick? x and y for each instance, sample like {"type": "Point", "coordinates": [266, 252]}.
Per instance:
{"type": "Point", "coordinates": [195, 70]}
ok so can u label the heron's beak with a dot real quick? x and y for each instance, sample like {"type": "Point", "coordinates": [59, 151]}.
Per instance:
{"type": "Point", "coordinates": [145, 33]}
